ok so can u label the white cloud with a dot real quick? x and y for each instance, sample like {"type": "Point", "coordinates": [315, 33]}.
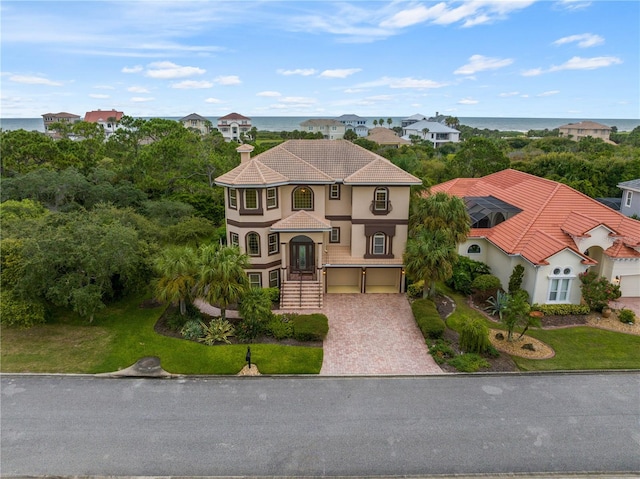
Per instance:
{"type": "Point", "coordinates": [212, 100]}
{"type": "Point", "coordinates": [578, 63]}
{"type": "Point", "coordinates": [478, 63]}
{"type": "Point", "coordinates": [192, 84]}
{"type": "Point", "coordinates": [353, 90]}
{"type": "Point", "coordinates": [584, 40]}
{"type": "Point", "coordinates": [137, 89]}
{"type": "Point", "coordinates": [141, 99]}
{"type": "Point", "coordinates": [549, 93]}
{"type": "Point", "coordinates": [136, 69]}
{"type": "Point", "coordinates": [508, 94]}
{"type": "Point", "coordinates": [467, 101]}
{"type": "Point", "coordinates": [33, 80]}
{"type": "Point", "coordinates": [168, 70]}
{"type": "Point", "coordinates": [228, 80]}
{"type": "Point", "coordinates": [305, 72]}
{"type": "Point", "coordinates": [532, 72]}
{"type": "Point", "coordinates": [406, 82]}
{"type": "Point", "coordinates": [99, 96]}
{"type": "Point", "coordinates": [340, 73]}
{"type": "Point", "coordinates": [267, 93]}
{"type": "Point", "coordinates": [573, 4]}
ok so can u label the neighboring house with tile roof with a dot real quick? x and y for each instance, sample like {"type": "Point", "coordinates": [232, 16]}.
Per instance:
{"type": "Point", "coordinates": [437, 133]}
{"type": "Point", "coordinates": [196, 122]}
{"type": "Point", "coordinates": [319, 216]}
{"type": "Point", "coordinates": [630, 204]}
{"type": "Point", "coordinates": [386, 137]}
{"type": "Point", "coordinates": [109, 119]}
{"type": "Point", "coordinates": [356, 123]}
{"type": "Point", "coordinates": [62, 117]}
{"type": "Point", "coordinates": [330, 129]}
{"type": "Point", "coordinates": [233, 125]}
{"type": "Point", "coordinates": [552, 230]}
{"type": "Point", "coordinates": [578, 131]}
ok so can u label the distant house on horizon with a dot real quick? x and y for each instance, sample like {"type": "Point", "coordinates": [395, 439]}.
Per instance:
{"type": "Point", "coordinates": [578, 131]}
{"type": "Point", "coordinates": [386, 137]}
{"type": "Point", "coordinates": [62, 117]}
{"type": "Point", "coordinates": [413, 119]}
{"type": "Point", "coordinates": [432, 131]}
{"type": "Point", "coordinates": [233, 125]}
{"type": "Point", "coordinates": [109, 119]}
{"type": "Point", "coordinates": [356, 123]}
{"type": "Point", "coordinates": [330, 129]}
{"type": "Point", "coordinates": [197, 122]}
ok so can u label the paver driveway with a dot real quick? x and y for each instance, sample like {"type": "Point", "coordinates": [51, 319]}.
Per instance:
{"type": "Point", "coordinates": [373, 334]}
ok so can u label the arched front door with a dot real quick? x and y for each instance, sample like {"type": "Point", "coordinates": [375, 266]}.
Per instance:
{"type": "Point", "coordinates": [302, 257]}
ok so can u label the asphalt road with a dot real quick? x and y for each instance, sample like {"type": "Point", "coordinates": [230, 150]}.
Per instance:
{"type": "Point", "coordinates": [64, 425]}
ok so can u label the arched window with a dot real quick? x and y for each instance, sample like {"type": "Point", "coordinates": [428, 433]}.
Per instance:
{"type": "Point", "coordinates": [560, 284]}
{"type": "Point", "coordinates": [379, 245]}
{"type": "Point", "coordinates": [499, 218]}
{"type": "Point", "coordinates": [303, 198]}
{"type": "Point", "coordinates": [381, 200]}
{"type": "Point", "coordinates": [253, 244]}
{"type": "Point", "coordinates": [474, 249]}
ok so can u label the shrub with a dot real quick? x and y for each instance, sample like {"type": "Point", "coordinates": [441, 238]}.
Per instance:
{"type": "Point", "coordinates": [441, 351]}
{"type": "Point", "coordinates": [17, 312]}
{"type": "Point", "coordinates": [218, 331]}
{"type": "Point", "coordinates": [464, 272]}
{"type": "Point", "coordinates": [627, 316]}
{"type": "Point", "coordinates": [273, 293]}
{"type": "Point", "coordinates": [597, 291]}
{"type": "Point", "coordinates": [484, 286]}
{"type": "Point", "coordinates": [414, 290]}
{"type": "Point", "coordinates": [428, 318]}
{"type": "Point", "coordinates": [192, 329]}
{"type": "Point", "coordinates": [469, 363]}
{"type": "Point", "coordinates": [474, 336]}
{"type": "Point", "coordinates": [310, 327]}
{"type": "Point", "coordinates": [280, 327]}
{"type": "Point", "coordinates": [515, 280]}
{"type": "Point", "coordinates": [561, 309]}
{"type": "Point", "coordinates": [176, 321]}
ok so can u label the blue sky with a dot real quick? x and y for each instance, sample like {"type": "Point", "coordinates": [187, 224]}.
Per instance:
{"type": "Point", "coordinates": [500, 58]}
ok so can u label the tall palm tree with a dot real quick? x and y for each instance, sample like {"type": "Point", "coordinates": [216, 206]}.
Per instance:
{"type": "Point", "coordinates": [221, 278]}
{"type": "Point", "coordinates": [430, 256]}
{"type": "Point", "coordinates": [375, 122]}
{"type": "Point", "coordinates": [424, 133]}
{"type": "Point", "coordinates": [440, 211]}
{"type": "Point", "coordinates": [176, 269]}
{"type": "Point", "coordinates": [389, 122]}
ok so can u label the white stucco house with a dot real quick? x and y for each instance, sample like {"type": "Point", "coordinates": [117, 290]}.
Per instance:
{"type": "Point", "coordinates": [233, 125]}
{"type": "Point", "coordinates": [437, 133]}
{"type": "Point", "coordinates": [356, 123]}
{"type": "Point", "coordinates": [552, 230]}
{"type": "Point", "coordinates": [329, 128]}
{"type": "Point", "coordinates": [630, 204]}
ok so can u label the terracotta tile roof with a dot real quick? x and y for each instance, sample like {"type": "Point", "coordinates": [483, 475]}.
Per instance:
{"type": "Point", "coordinates": [385, 136]}
{"type": "Point", "coordinates": [102, 115]}
{"type": "Point", "coordinates": [323, 162]}
{"type": "Point", "coordinates": [551, 214]}
{"type": "Point", "coordinates": [234, 116]}
{"type": "Point", "coordinates": [302, 221]}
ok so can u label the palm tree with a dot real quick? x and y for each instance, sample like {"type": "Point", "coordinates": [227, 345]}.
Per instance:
{"type": "Point", "coordinates": [375, 122]}
{"type": "Point", "coordinates": [222, 278]}
{"type": "Point", "coordinates": [389, 122]}
{"type": "Point", "coordinates": [424, 133]}
{"type": "Point", "coordinates": [440, 211]}
{"type": "Point", "coordinates": [176, 268]}
{"type": "Point", "coordinates": [430, 256]}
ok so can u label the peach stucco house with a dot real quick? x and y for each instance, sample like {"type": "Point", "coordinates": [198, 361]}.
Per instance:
{"type": "Point", "coordinates": [552, 230]}
{"type": "Point", "coordinates": [578, 131]}
{"type": "Point", "coordinates": [319, 216]}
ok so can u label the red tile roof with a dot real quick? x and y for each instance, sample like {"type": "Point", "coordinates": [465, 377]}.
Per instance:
{"type": "Point", "coordinates": [234, 116]}
{"type": "Point", "coordinates": [552, 215]}
{"type": "Point", "coordinates": [102, 115]}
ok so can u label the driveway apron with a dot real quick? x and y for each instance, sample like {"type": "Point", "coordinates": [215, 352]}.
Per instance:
{"type": "Point", "coordinates": [373, 334]}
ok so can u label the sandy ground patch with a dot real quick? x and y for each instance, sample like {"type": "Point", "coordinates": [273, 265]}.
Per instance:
{"type": "Point", "coordinates": [514, 348]}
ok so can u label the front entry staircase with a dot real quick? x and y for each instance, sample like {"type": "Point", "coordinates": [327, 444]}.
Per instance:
{"type": "Point", "coordinates": [301, 295]}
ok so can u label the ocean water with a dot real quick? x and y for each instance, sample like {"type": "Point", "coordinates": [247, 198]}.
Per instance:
{"type": "Point", "coordinates": [290, 123]}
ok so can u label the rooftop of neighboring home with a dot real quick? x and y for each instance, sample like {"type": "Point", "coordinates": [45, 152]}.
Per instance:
{"type": "Point", "coordinates": [350, 117]}
{"type": "Point", "coordinates": [416, 117]}
{"type": "Point", "coordinates": [551, 215]}
{"type": "Point", "coordinates": [62, 114]}
{"type": "Point", "coordinates": [385, 136]}
{"type": "Point", "coordinates": [321, 122]}
{"type": "Point", "coordinates": [633, 185]}
{"type": "Point", "coordinates": [433, 126]}
{"type": "Point", "coordinates": [234, 116]}
{"type": "Point", "coordinates": [585, 125]}
{"type": "Point", "coordinates": [102, 115]}
{"type": "Point", "coordinates": [193, 116]}
{"type": "Point", "coordinates": [316, 162]}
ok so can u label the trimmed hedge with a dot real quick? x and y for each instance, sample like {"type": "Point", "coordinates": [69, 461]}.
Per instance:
{"type": "Point", "coordinates": [561, 309]}
{"type": "Point", "coordinates": [428, 318]}
{"type": "Point", "coordinates": [310, 327]}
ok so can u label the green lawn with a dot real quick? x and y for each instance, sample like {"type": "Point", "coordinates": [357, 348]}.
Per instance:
{"type": "Point", "coordinates": [123, 333]}
{"type": "Point", "coordinates": [576, 348]}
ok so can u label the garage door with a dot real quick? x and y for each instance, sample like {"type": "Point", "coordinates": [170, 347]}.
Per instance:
{"type": "Point", "coordinates": [630, 285]}
{"type": "Point", "coordinates": [343, 280]}
{"type": "Point", "coordinates": [382, 280]}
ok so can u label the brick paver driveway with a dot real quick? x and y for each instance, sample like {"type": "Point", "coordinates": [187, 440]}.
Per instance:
{"type": "Point", "coordinates": [373, 334]}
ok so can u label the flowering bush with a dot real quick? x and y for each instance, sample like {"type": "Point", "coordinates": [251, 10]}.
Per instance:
{"type": "Point", "coordinates": [597, 291]}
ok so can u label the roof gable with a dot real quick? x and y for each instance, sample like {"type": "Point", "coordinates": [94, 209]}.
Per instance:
{"type": "Point", "coordinates": [102, 115]}
{"type": "Point", "coordinates": [301, 221]}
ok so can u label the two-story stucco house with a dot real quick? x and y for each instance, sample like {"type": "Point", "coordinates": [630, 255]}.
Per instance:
{"type": "Point", "coordinates": [432, 131]}
{"type": "Point", "coordinates": [552, 230]}
{"type": "Point", "coordinates": [578, 131]}
{"type": "Point", "coordinates": [630, 204]}
{"type": "Point", "coordinates": [356, 123]}
{"type": "Point", "coordinates": [232, 125]}
{"type": "Point", "coordinates": [330, 129]}
{"type": "Point", "coordinates": [319, 216]}
{"type": "Point", "coordinates": [62, 117]}
{"type": "Point", "coordinates": [196, 122]}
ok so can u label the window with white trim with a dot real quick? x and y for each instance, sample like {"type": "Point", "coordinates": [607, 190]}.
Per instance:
{"type": "Point", "coordinates": [303, 198]}
{"type": "Point", "coordinates": [474, 249]}
{"type": "Point", "coordinates": [560, 284]}
{"type": "Point", "coordinates": [255, 280]}
{"type": "Point", "coordinates": [253, 244]}
{"type": "Point", "coordinates": [272, 198]}
{"type": "Point", "coordinates": [628, 197]}
{"type": "Point", "coordinates": [234, 239]}
{"type": "Point", "coordinates": [251, 199]}
{"type": "Point", "coordinates": [334, 191]}
{"type": "Point", "coordinates": [379, 243]}
{"type": "Point", "coordinates": [274, 278]}
{"type": "Point", "coordinates": [334, 236]}
{"type": "Point", "coordinates": [233, 198]}
{"type": "Point", "coordinates": [274, 245]}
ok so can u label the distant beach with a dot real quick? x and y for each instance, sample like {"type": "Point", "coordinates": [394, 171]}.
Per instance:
{"type": "Point", "coordinates": [290, 123]}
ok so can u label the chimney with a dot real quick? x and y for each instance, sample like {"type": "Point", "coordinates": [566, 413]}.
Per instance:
{"type": "Point", "coordinates": [245, 152]}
